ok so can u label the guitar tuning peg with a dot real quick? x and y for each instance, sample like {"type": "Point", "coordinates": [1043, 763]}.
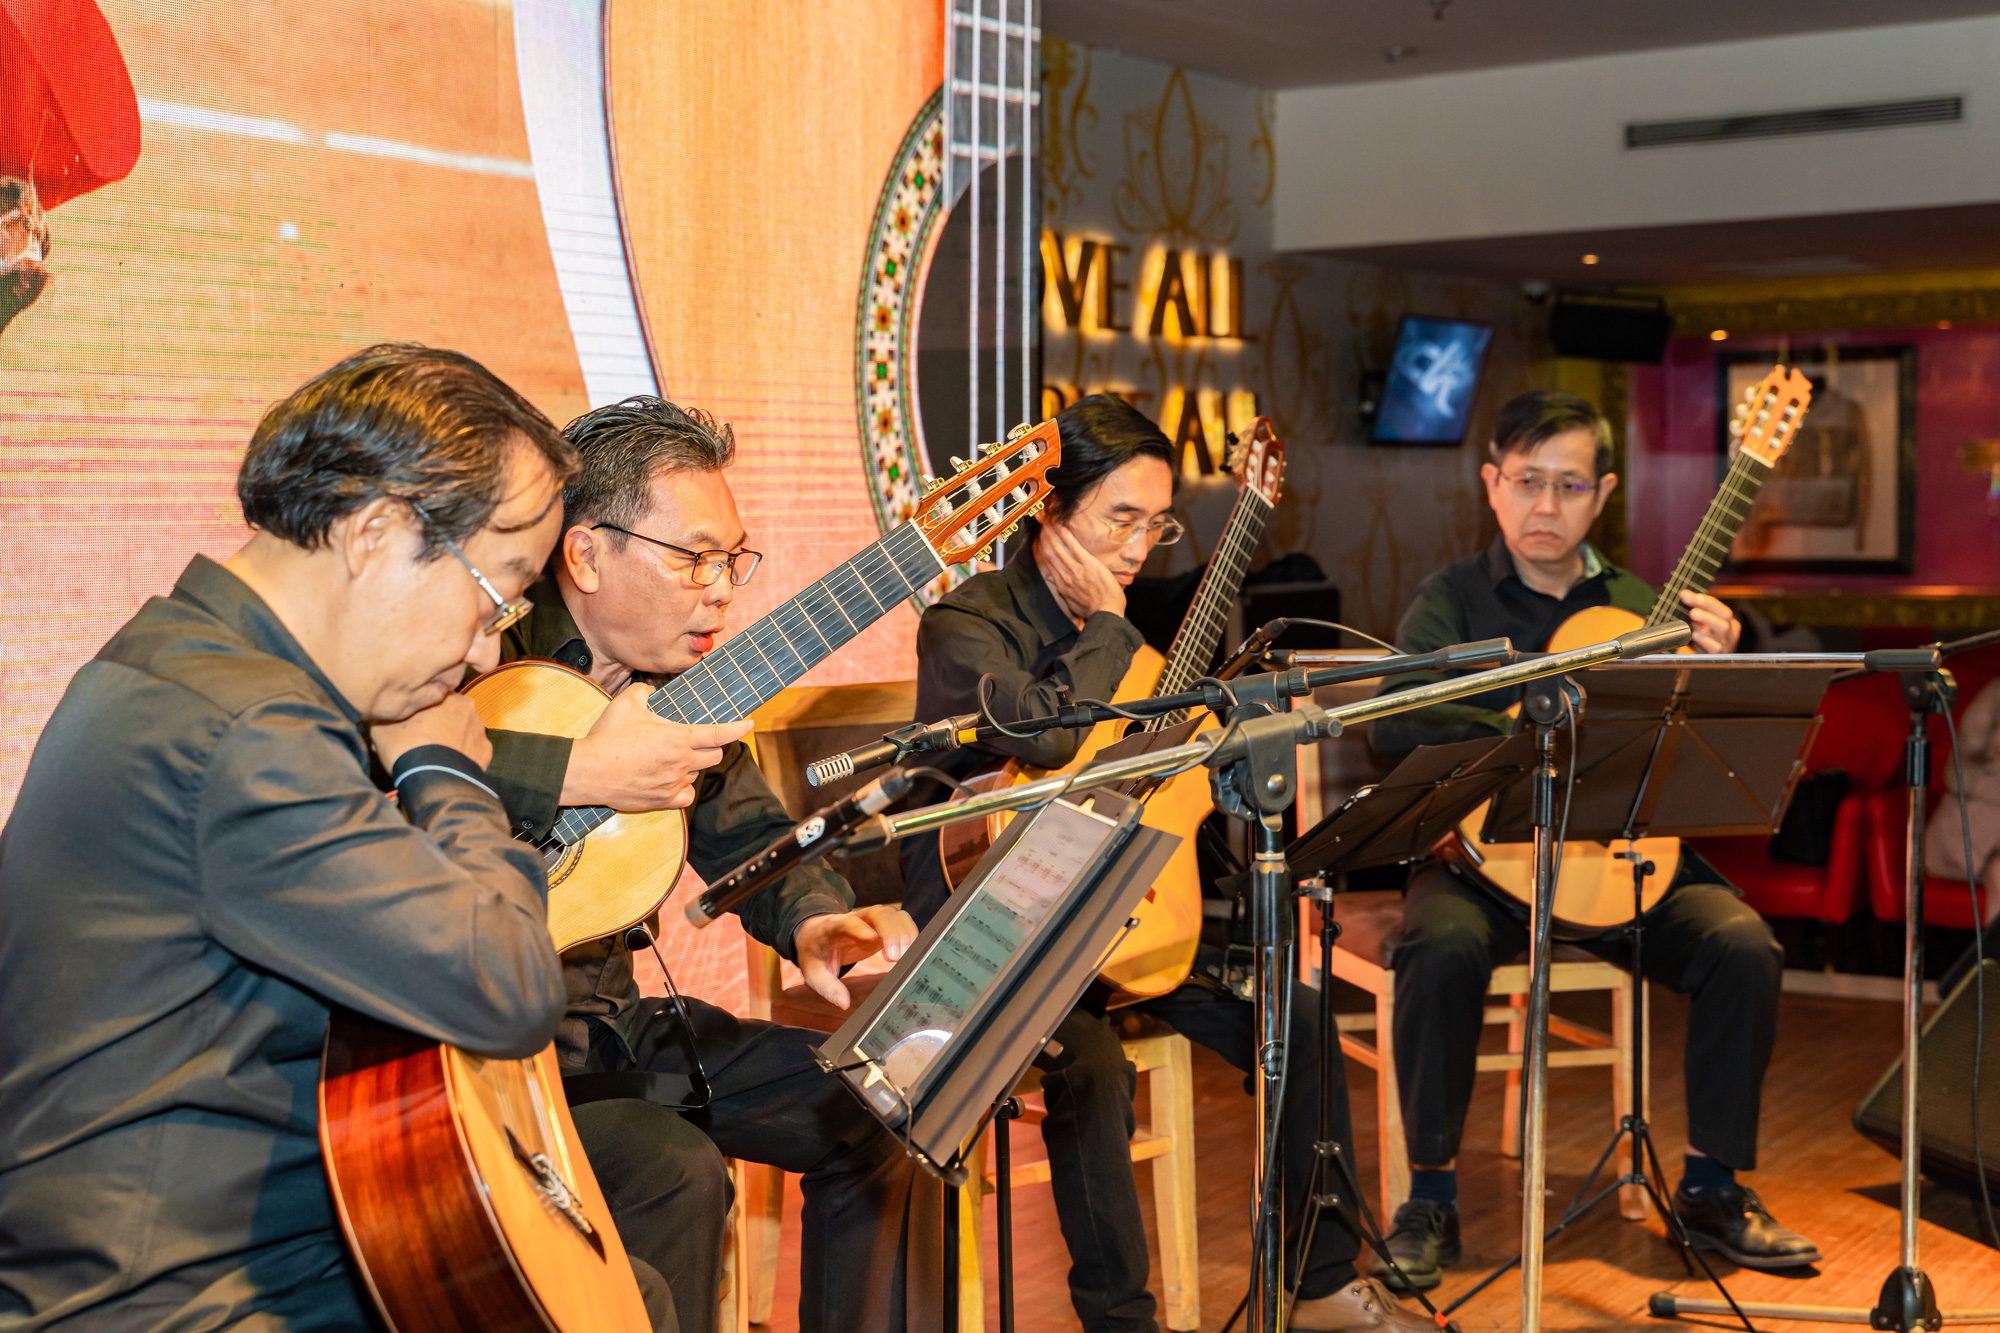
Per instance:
{"type": "Point", "coordinates": [957, 463]}
{"type": "Point", "coordinates": [1018, 432]}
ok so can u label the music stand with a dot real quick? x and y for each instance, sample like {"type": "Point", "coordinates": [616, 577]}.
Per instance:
{"type": "Point", "coordinates": [1393, 822]}
{"type": "Point", "coordinates": [1692, 747]}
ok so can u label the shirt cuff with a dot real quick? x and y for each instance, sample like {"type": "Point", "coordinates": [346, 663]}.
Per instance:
{"type": "Point", "coordinates": [527, 773]}
{"type": "Point", "coordinates": [426, 764]}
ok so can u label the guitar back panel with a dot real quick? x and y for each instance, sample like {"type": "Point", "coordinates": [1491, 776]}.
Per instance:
{"type": "Point", "coordinates": [447, 1227]}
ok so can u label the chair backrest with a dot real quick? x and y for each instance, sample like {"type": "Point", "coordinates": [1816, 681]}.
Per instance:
{"type": "Point", "coordinates": [808, 722]}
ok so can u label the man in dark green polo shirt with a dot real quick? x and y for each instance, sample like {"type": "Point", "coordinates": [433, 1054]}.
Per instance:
{"type": "Point", "coordinates": [651, 554]}
{"type": "Point", "coordinates": [1547, 480]}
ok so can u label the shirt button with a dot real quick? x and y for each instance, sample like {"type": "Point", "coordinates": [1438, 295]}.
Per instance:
{"type": "Point", "coordinates": [527, 824]}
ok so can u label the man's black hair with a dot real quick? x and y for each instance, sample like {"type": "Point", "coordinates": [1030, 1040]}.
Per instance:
{"type": "Point", "coordinates": [628, 444]}
{"type": "Point", "coordinates": [1542, 414]}
{"type": "Point", "coordinates": [1101, 433]}
{"type": "Point", "coordinates": [426, 426]}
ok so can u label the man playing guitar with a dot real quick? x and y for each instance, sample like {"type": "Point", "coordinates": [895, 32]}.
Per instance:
{"type": "Point", "coordinates": [201, 867]}
{"type": "Point", "coordinates": [650, 557]}
{"type": "Point", "coordinates": [1053, 621]}
{"type": "Point", "coordinates": [1547, 481]}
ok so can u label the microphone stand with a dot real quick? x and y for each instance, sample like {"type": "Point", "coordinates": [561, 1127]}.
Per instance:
{"type": "Point", "coordinates": [1907, 1300]}
{"type": "Point", "coordinates": [1253, 767]}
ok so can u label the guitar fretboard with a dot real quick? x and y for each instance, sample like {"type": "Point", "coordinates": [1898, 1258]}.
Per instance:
{"type": "Point", "coordinates": [735, 680]}
{"type": "Point", "coordinates": [1194, 644]}
{"type": "Point", "coordinates": [1709, 546]}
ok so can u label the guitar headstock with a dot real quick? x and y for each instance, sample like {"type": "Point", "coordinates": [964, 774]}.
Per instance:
{"type": "Point", "coordinates": [1259, 463]}
{"type": "Point", "coordinates": [985, 499]}
{"type": "Point", "coordinates": [1770, 413]}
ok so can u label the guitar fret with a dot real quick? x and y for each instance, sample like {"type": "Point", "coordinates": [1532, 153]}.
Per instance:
{"type": "Point", "coordinates": [1709, 547]}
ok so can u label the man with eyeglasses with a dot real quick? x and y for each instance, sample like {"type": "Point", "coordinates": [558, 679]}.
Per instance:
{"type": "Point", "coordinates": [203, 862]}
{"type": "Point", "coordinates": [1547, 479]}
{"type": "Point", "coordinates": [1050, 627]}
{"type": "Point", "coordinates": [651, 554]}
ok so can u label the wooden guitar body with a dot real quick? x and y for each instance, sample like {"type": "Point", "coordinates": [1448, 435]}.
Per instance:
{"type": "Point", "coordinates": [1594, 885]}
{"type": "Point", "coordinates": [625, 869]}
{"type": "Point", "coordinates": [465, 1198]}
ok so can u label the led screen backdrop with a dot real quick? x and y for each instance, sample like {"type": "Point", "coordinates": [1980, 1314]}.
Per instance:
{"type": "Point", "coordinates": [313, 178]}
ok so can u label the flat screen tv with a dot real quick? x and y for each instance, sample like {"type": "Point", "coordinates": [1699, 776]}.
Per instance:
{"type": "Point", "coordinates": [1431, 383]}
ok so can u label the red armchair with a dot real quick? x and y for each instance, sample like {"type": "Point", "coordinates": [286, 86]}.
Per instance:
{"type": "Point", "coordinates": [1947, 902]}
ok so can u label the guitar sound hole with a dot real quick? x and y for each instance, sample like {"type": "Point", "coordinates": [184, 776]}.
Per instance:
{"type": "Point", "coordinates": [559, 859]}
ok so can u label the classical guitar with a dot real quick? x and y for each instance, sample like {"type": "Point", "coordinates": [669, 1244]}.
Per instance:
{"type": "Point", "coordinates": [465, 1198]}
{"type": "Point", "coordinates": [608, 870]}
{"type": "Point", "coordinates": [1158, 953]}
{"type": "Point", "coordinates": [1594, 886]}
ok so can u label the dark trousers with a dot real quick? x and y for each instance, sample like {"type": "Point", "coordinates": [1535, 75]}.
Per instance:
{"type": "Point", "coordinates": [771, 1104]}
{"type": "Point", "coordinates": [1701, 941]}
{"type": "Point", "coordinates": [1089, 1088]}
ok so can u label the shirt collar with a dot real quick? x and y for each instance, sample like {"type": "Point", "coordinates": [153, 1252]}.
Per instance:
{"type": "Point", "coordinates": [1032, 595]}
{"type": "Point", "coordinates": [549, 632]}
{"type": "Point", "coordinates": [1500, 564]}
{"type": "Point", "coordinates": [232, 601]}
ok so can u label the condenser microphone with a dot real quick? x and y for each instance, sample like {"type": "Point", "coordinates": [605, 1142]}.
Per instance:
{"type": "Point", "coordinates": [806, 841]}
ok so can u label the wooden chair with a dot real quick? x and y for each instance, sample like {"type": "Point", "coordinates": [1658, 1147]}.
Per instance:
{"type": "Point", "coordinates": [805, 723]}
{"type": "Point", "coordinates": [1371, 927]}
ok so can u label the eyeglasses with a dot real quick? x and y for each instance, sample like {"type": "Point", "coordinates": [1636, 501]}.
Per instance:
{"type": "Point", "coordinates": [1530, 485]}
{"type": "Point", "coordinates": [1160, 532]}
{"type": "Point", "coordinates": [708, 565]}
{"type": "Point", "coordinates": [506, 613]}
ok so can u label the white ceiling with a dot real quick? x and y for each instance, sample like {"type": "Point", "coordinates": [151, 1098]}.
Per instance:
{"type": "Point", "coordinates": [1303, 43]}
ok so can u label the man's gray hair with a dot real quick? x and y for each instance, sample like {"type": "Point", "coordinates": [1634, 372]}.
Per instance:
{"type": "Point", "coordinates": [625, 446]}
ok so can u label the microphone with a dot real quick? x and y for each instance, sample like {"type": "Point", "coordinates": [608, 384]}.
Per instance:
{"type": "Point", "coordinates": [893, 748]}
{"type": "Point", "coordinates": [806, 841]}
{"type": "Point", "coordinates": [1653, 639]}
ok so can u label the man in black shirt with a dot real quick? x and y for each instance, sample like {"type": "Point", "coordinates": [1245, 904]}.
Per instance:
{"type": "Point", "coordinates": [1547, 482]}
{"type": "Point", "coordinates": [651, 554]}
{"type": "Point", "coordinates": [1051, 627]}
{"type": "Point", "coordinates": [200, 867]}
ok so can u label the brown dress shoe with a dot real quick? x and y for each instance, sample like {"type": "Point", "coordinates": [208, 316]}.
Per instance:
{"type": "Point", "coordinates": [1361, 1305]}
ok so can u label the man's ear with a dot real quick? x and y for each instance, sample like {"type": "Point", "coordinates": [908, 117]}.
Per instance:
{"type": "Point", "coordinates": [370, 532]}
{"type": "Point", "coordinates": [580, 553]}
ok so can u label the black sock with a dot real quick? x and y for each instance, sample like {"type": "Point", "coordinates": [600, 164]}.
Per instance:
{"type": "Point", "coordinates": [1701, 1173]}
{"type": "Point", "coordinates": [1437, 1186]}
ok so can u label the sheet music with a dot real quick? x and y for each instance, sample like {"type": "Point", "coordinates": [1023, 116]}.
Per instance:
{"type": "Point", "coordinates": [970, 958]}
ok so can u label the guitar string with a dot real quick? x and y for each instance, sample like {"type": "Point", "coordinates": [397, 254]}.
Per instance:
{"type": "Point", "coordinates": [1240, 536]}
{"type": "Point", "coordinates": [1203, 627]}
{"type": "Point", "coordinates": [1737, 473]}
{"type": "Point", "coordinates": [688, 698]}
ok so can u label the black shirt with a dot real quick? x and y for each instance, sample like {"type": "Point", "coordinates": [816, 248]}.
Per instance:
{"type": "Point", "coordinates": [1006, 622]}
{"type": "Point", "coordinates": [735, 814]}
{"type": "Point", "coordinates": [197, 870]}
{"type": "Point", "coordinates": [1482, 597]}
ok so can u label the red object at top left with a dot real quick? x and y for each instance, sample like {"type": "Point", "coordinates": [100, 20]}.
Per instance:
{"type": "Point", "coordinates": [69, 121]}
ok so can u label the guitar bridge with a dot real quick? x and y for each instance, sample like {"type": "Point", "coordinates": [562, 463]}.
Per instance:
{"type": "Point", "coordinates": [555, 1191]}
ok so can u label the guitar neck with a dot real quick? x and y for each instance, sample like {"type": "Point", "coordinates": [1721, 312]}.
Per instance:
{"type": "Point", "coordinates": [749, 671]}
{"type": "Point", "coordinates": [1201, 629]}
{"type": "Point", "coordinates": [1709, 546]}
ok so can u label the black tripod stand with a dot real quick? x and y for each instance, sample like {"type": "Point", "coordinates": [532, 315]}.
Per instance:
{"type": "Point", "coordinates": [1907, 1301]}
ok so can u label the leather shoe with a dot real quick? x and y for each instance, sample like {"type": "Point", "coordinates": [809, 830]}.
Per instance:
{"type": "Point", "coordinates": [1732, 1221]}
{"type": "Point", "coordinates": [1361, 1305]}
{"type": "Point", "coordinates": [1423, 1238]}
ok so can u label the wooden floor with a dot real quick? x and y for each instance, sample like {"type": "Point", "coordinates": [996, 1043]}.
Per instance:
{"type": "Point", "coordinates": [1818, 1176]}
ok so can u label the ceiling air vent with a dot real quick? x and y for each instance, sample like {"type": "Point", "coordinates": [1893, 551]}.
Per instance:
{"type": "Point", "coordinates": [1779, 124]}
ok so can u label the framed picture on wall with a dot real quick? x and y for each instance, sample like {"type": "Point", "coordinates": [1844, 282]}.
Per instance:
{"type": "Point", "coordinates": [1842, 499]}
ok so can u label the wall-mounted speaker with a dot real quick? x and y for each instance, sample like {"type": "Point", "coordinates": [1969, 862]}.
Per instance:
{"type": "Point", "coordinates": [1605, 327]}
